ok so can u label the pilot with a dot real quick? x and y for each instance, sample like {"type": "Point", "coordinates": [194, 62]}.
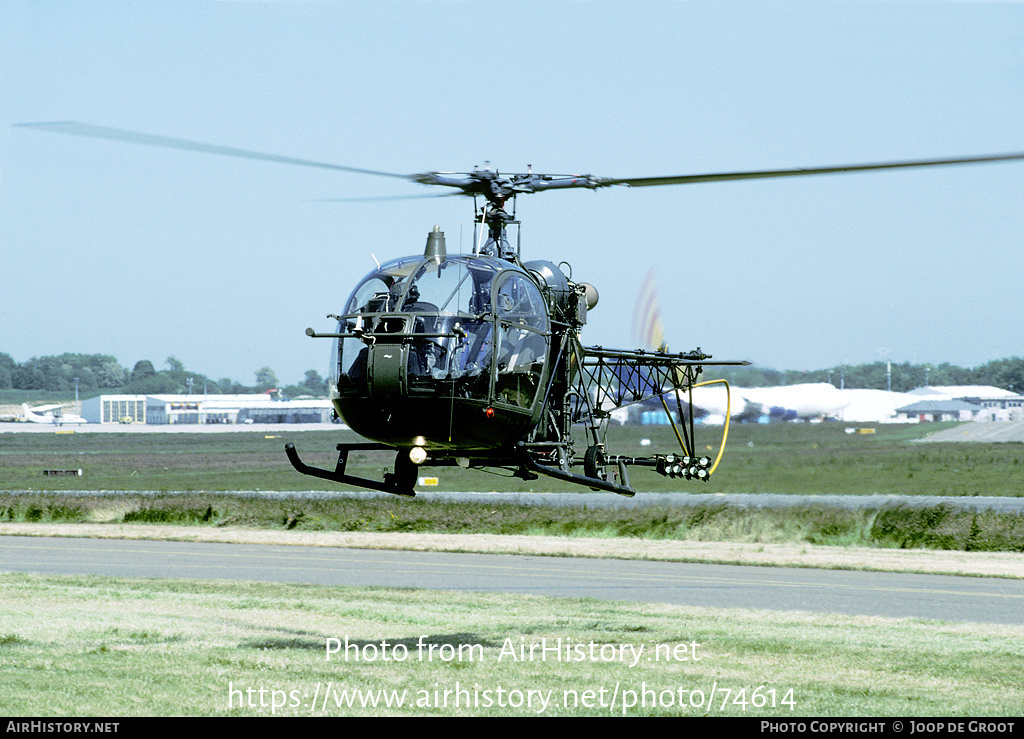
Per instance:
{"type": "Point", "coordinates": [412, 298]}
{"type": "Point", "coordinates": [394, 293]}
{"type": "Point", "coordinates": [519, 360]}
{"type": "Point", "coordinates": [427, 356]}
{"type": "Point", "coordinates": [477, 346]}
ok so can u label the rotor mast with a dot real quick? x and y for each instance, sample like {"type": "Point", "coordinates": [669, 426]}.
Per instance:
{"type": "Point", "coordinates": [496, 219]}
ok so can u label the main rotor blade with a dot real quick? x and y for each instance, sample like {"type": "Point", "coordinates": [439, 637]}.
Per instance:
{"type": "Point", "coordinates": [763, 174]}
{"type": "Point", "coordinates": [373, 199]}
{"type": "Point", "coordinates": [74, 128]}
{"type": "Point", "coordinates": [485, 183]}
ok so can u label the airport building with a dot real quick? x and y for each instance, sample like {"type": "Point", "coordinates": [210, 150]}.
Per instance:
{"type": "Point", "coordinates": [204, 409]}
{"type": "Point", "coordinates": [937, 410]}
{"type": "Point", "coordinates": [979, 403]}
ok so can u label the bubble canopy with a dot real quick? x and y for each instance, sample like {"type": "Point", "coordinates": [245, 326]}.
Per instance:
{"type": "Point", "coordinates": [460, 328]}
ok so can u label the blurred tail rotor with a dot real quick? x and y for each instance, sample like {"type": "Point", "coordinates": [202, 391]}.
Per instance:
{"type": "Point", "coordinates": [648, 330]}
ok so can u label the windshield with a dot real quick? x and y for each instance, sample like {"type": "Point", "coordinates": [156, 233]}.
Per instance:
{"type": "Point", "coordinates": [478, 325]}
{"type": "Point", "coordinates": [379, 290]}
{"type": "Point", "coordinates": [455, 285]}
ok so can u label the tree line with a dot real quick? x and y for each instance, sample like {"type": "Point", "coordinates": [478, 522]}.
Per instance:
{"type": "Point", "coordinates": [92, 374]}
{"type": "Point", "coordinates": [101, 373]}
{"type": "Point", "coordinates": [1007, 374]}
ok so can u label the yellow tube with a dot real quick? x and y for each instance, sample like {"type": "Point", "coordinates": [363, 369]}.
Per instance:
{"type": "Point", "coordinates": [674, 427]}
{"type": "Point", "coordinates": [728, 413]}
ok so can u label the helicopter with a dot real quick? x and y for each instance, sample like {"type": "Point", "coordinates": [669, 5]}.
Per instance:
{"type": "Point", "coordinates": [476, 359]}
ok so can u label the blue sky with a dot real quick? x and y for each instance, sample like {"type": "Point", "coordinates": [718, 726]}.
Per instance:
{"type": "Point", "coordinates": [144, 253]}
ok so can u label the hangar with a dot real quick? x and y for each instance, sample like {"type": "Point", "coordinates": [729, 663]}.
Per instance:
{"type": "Point", "coordinates": [203, 409]}
{"type": "Point", "coordinates": [937, 410]}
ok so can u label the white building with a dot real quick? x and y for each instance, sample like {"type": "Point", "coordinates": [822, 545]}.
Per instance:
{"type": "Point", "coordinates": [203, 409]}
{"type": "Point", "coordinates": [937, 410]}
{"type": "Point", "coordinates": [995, 403]}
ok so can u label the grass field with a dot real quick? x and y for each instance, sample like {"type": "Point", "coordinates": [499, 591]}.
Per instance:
{"type": "Point", "coordinates": [97, 646]}
{"type": "Point", "coordinates": [786, 458]}
{"type": "Point", "coordinates": [92, 646]}
{"type": "Point", "coordinates": [781, 458]}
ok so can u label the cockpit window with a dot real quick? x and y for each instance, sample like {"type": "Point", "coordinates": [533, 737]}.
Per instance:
{"type": "Point", "coordinates": [463, 325]}
{"type": "Point", "coordinates": [522, 348]}
{"type": "Point", "coordinates": [381, 290]}
{"type": "Point", "coordinates": [454, 285]}
{"type": "Point", "coordinates": [520, 302]}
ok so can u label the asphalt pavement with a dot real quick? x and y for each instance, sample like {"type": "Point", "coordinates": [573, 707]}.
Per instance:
{"type": "Point", "coordinates": [898, 595]}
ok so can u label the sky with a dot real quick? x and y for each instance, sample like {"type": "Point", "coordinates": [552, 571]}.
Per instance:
{"type": "Point", "coordinates": [145, 253]}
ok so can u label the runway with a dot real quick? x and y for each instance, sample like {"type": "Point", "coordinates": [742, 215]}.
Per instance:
{"type": "Point", "coordinates": [955, 599]}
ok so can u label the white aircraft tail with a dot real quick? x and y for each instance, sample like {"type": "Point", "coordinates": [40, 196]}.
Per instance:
{"type": "Point", "coordinates": [34, 417]}
{"type": "Point", "coordinates": [46, 414]}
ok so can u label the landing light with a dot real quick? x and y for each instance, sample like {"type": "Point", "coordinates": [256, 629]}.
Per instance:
{"type": "Point", "coordinates": [418, 455]}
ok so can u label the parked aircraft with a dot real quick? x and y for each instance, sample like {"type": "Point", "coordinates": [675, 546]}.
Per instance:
{"type": "Point", "coordinates": [50, 414]}
{"type": "Point", "coordinates": [807, 402]}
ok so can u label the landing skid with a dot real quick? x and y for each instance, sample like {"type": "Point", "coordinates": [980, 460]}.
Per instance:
{"type": "Point", "coordinates": [595, 483]}
{"type": "Point", "coordinates": [403, 479]}
{"type": "Point", "coordinates": [392, 483]}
